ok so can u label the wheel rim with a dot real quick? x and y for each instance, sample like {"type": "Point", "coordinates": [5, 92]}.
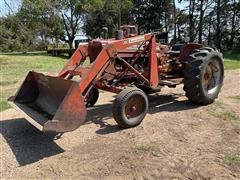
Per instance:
{"type": "Point", "coordinates": [134, 107]}
{"type": "Point", "coordinates": [211, 78]}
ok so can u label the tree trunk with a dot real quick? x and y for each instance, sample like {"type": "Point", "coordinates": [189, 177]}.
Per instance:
{"type": "Point", "coordinates": [191, 22]}
{"type": "Point", "coordinates": [201, 22]}
{"type": "Point", "coordinates": [233, 25]}
{"type": "Point", "coordinates": [218, 31]}
{"type": "Point", "coordinates": [175, 21]}
{"type": "Point", "coordinates": [209, 32]}
{"type": "Point", "coordinates": [179, 34]}
{"type": "Point", "coordinates": [119, 15]}
{"type": "Point", "coordinates": [165, 22]}
{"type": "Point", "coordinates": [70, 42]}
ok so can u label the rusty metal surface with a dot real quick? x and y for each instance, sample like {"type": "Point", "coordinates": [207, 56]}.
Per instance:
{"type": "Point", "coordinates": [70, 114]}
{"type": "Point", "coordinates": [57, 104]}
{"type": "Point", "coordinates": [134, 71]}
{"type": "Point", "coordinates": [94, 48]}
{"type": "Point", "coordinates": [54, 103]}
{"type": "Point", "coordinates": [187, 49]}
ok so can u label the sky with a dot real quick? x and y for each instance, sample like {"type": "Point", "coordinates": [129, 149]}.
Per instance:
{"type": "Point", "coordinates": [14, 4]}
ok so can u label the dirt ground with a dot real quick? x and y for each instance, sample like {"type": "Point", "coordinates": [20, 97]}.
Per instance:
{"type": "Point", "coordinates": [177, 140]}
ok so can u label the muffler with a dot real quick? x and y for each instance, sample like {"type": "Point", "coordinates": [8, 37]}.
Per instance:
{"type": "Point", "coordinates": [50, 103]}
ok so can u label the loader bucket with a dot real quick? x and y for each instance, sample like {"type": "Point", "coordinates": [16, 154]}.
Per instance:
{"type": "Point", "coordinates": [50, 103]}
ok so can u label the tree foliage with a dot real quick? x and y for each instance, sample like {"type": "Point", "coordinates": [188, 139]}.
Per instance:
{"type": "Point", "coordinates": [214, 23]}
{"type": "Point", "coordinates": [152, 15]}
{"type": "Point", "coordinates": [71, 12]}
{"type": "Point", "coordinates": [39, 23]}
{"type": "Point", "coordinates": [104, 13]}
{"type": "Point", "coordinates": [41, 18]}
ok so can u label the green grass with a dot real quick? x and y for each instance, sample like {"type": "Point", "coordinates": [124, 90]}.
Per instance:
{"type": "Point", "coordinates": [231, 159]}
{"type": "Point", "coordinates": [219, 104]}
{"type": "Point", "coordinates": [145, 148]}
{"type": "Point", "coordinates": [4, 105]}
{"type": "Point", "coordinates": [237, 97]}
{"type": "Point", "coordinates": [231, 64]}
{"type": "Point", "coordinates": [231, 61]}
{"type": "Point", "coordinates": [15, 66]}
{"type": "Point", "coordinates": [226, 115]}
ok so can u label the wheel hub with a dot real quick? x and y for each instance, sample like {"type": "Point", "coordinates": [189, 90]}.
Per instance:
{"type": "Point", "coordinates": [207, 77]}
{"type": "Point", "coordinates": [211, 76]}
{"type": "Point", "coordinates": [134, 107]}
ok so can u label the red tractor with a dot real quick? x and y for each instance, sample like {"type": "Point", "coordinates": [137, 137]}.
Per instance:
{"type": "Point", "coordinates": [132, 66]}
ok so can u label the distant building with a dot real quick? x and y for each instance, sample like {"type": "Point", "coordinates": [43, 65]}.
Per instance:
{"type": "Point", "coordinates": [80, 40]}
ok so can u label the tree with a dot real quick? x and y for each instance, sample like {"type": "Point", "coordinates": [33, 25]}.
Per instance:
{"type": "Point", "coordinates": [192, 5]}
{"type": "Point", "coordinates": [105, 13]}
{"type": "Point", "coordinates": [175, 20]}
{"type": "Point", "coordinates": [153, 15]}
{"type": "Point", "coordinates": [201, 22]}
{"type": "Point", "coordinates": [40, 22]}
{"type": "Point", "coordinates": [71, 12]}
{"type": "Point", "coordinates": [233, 28]}
{"type": "Point", "coordinates": [13, 36]}
{"type": "Point", "coordinates": [218, 31]}
{"type": "Point", "coordinates": [181, 22]}
{"type": "Point", "coordinates": [41, 18]}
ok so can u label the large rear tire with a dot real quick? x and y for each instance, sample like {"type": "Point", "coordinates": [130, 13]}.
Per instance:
{"type": "Point", "coordinates": [130, 107]}
{"type": "Point", "coordinates": [203, 75]}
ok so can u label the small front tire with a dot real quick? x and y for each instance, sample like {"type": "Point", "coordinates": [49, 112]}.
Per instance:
{"type": "Point", "coordinates": [92, 97]}
{"type": "Point", "coordinates": [130, 107]}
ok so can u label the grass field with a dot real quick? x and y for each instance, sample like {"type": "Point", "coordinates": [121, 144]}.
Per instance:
{"type": "Point", "coordinates": [232, 61]}
{"type": "Point", "coordinates": [15, 66]}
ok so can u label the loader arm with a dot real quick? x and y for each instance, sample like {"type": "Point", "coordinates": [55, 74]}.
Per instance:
{"type": "Point", "coordinates": [111, 50]}
{"type": "Point", "coordinates": [58, 103]}
{"type": "Point", "coordinates": [77, 58]}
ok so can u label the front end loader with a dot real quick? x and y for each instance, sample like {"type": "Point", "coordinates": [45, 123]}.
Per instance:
{"type": "Point", "coordinates": [131, 67]}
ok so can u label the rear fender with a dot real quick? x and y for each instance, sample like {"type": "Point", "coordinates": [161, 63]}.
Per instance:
{"type": "Point", "coordinates": [188, 49]}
